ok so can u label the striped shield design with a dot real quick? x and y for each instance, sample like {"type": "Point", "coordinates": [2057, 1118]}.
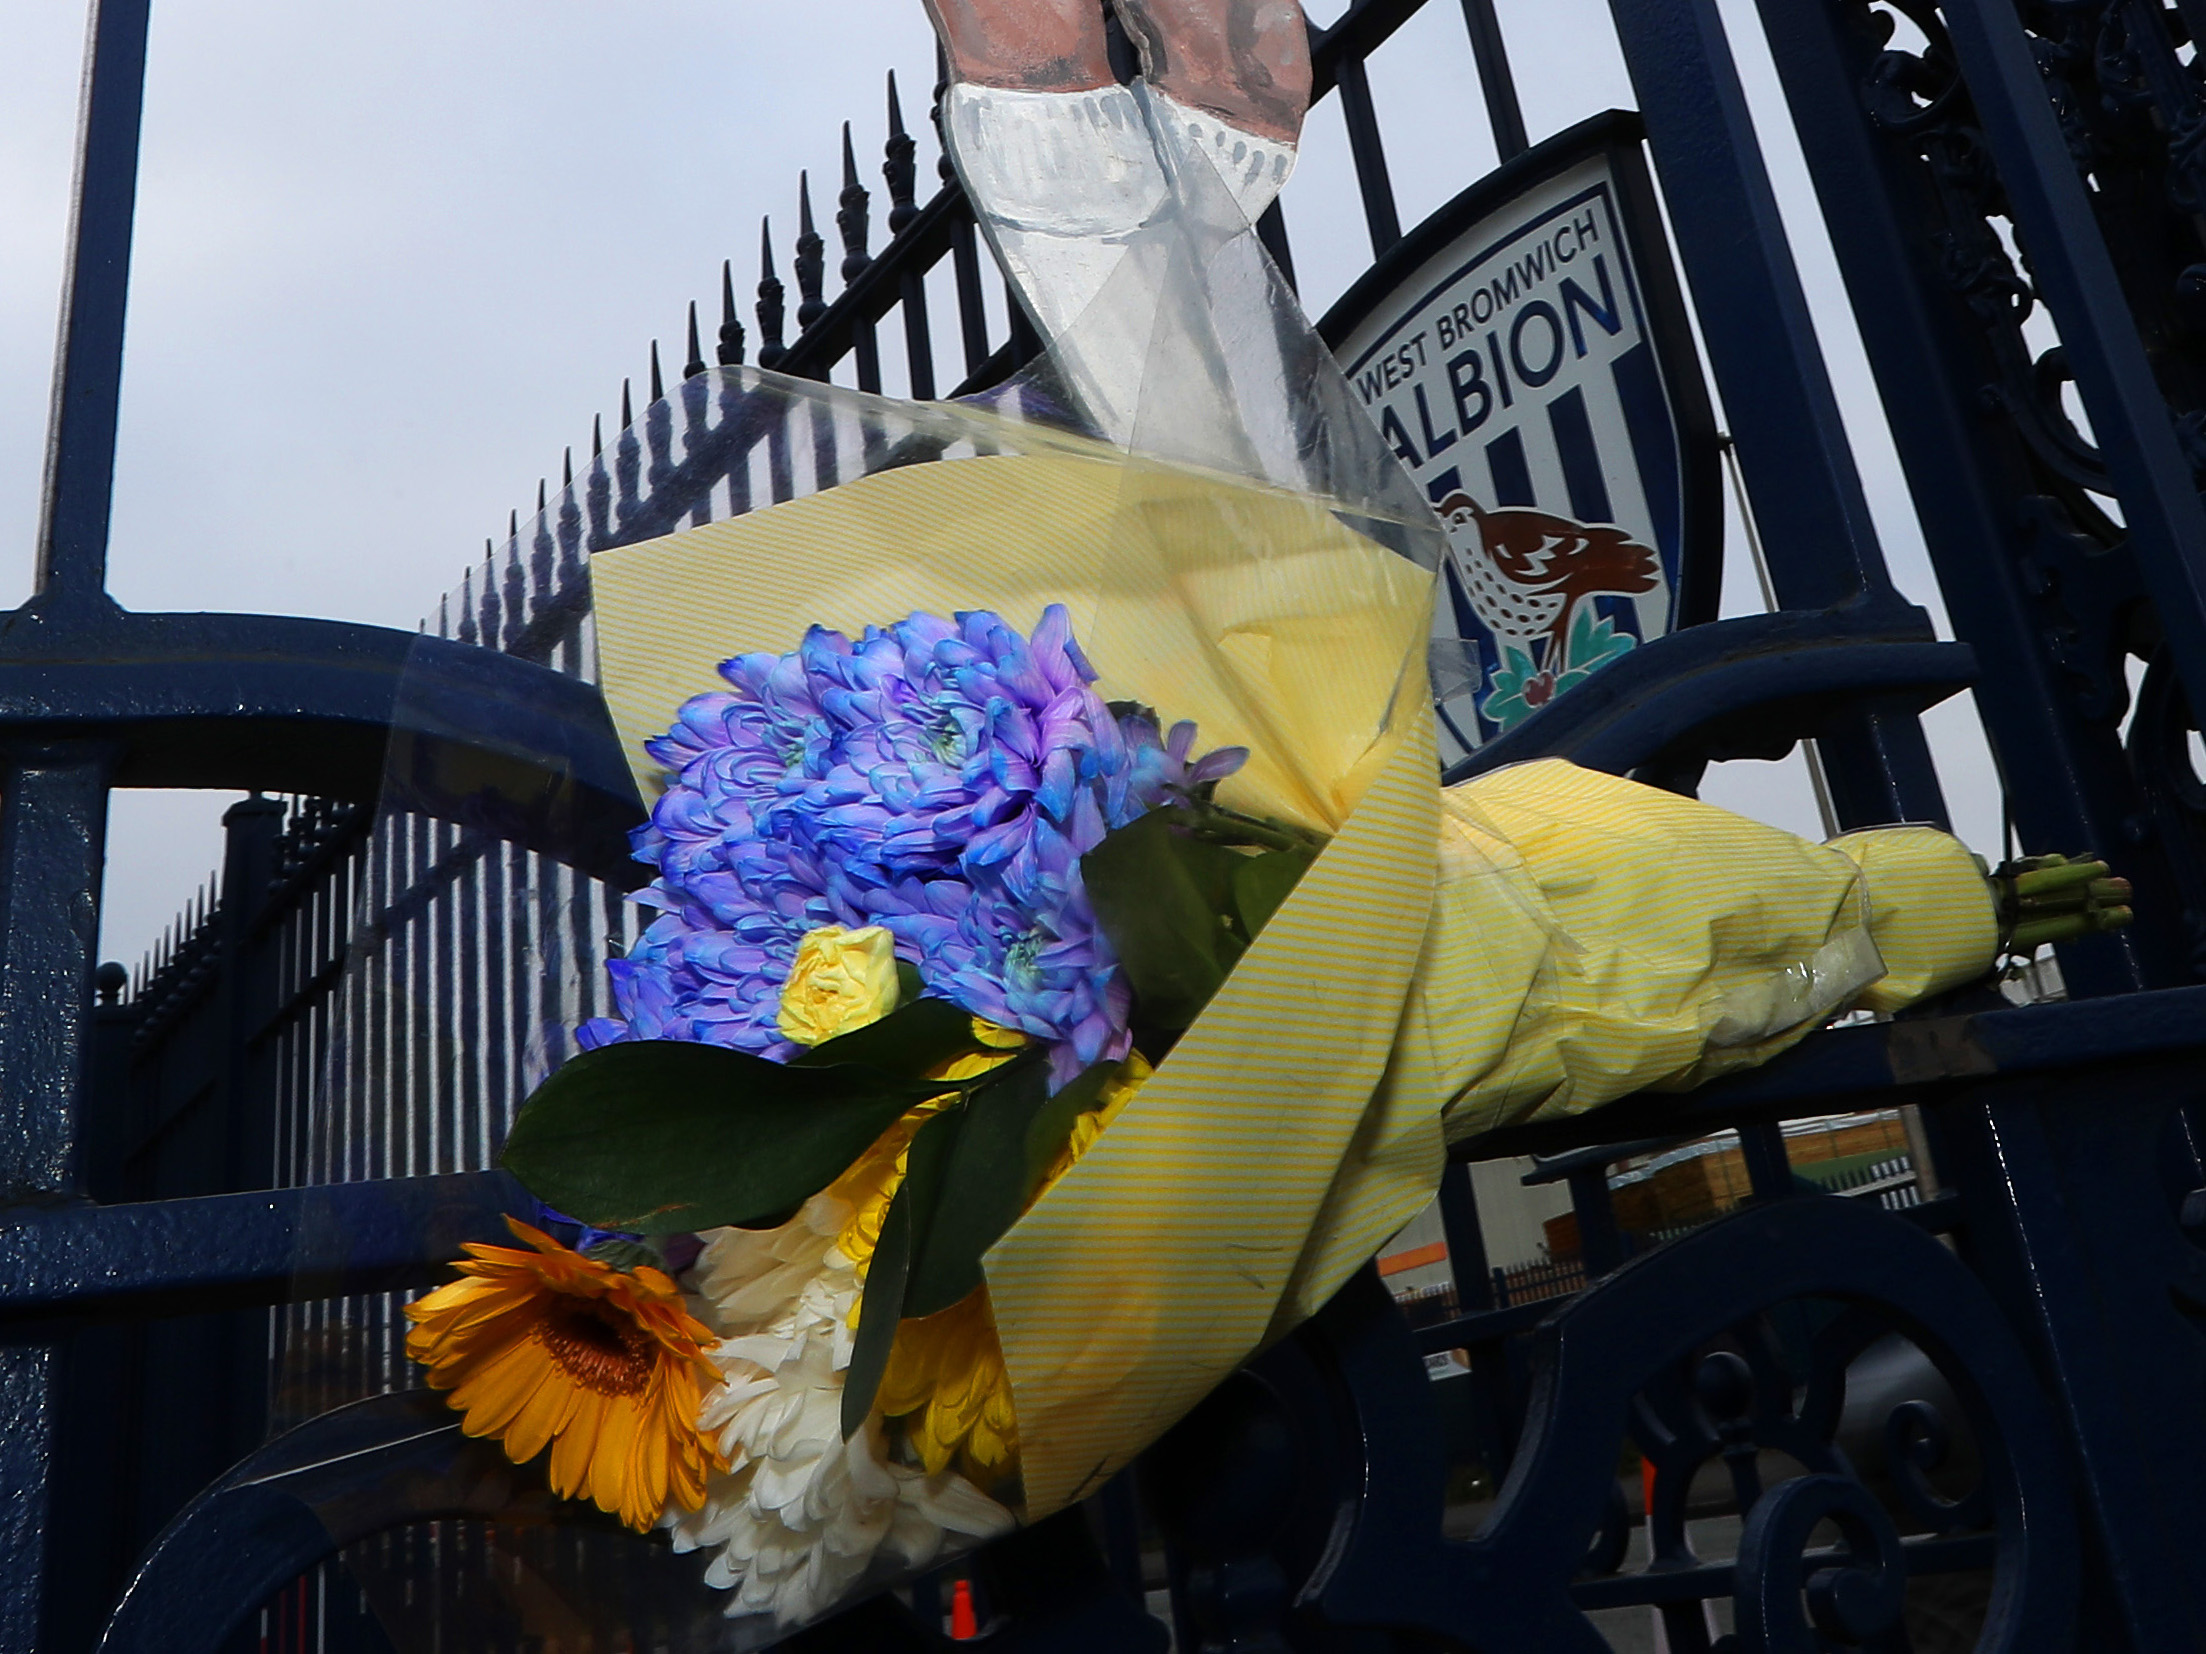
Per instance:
{"type": "Point", "coordinates": [1526, 354]}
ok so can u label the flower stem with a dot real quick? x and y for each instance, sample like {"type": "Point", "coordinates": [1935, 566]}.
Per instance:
{"type": "Point", "coordinates": [2042, 899]}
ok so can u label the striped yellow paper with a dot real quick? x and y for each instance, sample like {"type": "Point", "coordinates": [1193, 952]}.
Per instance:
{"type": "Point", "coordinates": [1539, 941]}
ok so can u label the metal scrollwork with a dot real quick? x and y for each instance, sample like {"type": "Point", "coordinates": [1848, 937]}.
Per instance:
{"type": "Point", "coordinates": [1917, 1441]}
{"type": "Point", "coordinates": [2127, 87]}
{"type": "Point", "coordinates": [1824, 1363]}
{"type": "Point", "coordinates": [1917, 98]}
{"type": "Point", "coordinates": [1852, 1599]}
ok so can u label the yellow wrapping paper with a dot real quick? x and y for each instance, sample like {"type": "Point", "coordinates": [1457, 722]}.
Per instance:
{"type": "Point", "coordinates": [1539, 941]}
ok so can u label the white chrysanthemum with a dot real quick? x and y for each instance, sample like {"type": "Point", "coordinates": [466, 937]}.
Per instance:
{"type": "Point", "coordinates": [804, 1515]}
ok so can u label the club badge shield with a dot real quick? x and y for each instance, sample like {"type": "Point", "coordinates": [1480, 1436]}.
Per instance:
{"type": "Point", "coordinates": [1527, 355]}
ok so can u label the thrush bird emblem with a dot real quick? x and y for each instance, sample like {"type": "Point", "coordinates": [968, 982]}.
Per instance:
{"type": "Point", "coordinates": [1526, 574]}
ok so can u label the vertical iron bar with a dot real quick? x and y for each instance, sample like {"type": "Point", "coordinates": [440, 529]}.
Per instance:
{"type": "Point", "coordinates": [1800, 473]}
{"type": "Point", "coordinates": [627, 462]}
{"type": "Point", "coordinates": [853, 224]}
{"type": "Point", "coordinates": [1768, 1167]}
{"type": "Point", "coordinates": [541, 587]}
{"type": "Point", "coordinates": [1777, 395]}
{"type": "Point", "coordinates": [658, 429]}
{"type": "Point", "coordinates": [1271, 230]}
{"type": "Point", "coordinates": [1466, 1240]}
{"type": "Point", "coordinates": [53, 823]}
{"type": "Point", "coordinates": [447, 996]}
{"type": "Point", "coordinates": [80, 442]}
{"type": "Point", "coordinates": [1025, 341]}
{"type": "Point", "coordinates": [918, 338]}
{"type": "Point", "coordinates": [771, 301]}
{"type": "Point", "coordinates": [729, 351]}
{"type": "Point", "coordinates": [1364, 144]}
{"type": "Point", "coordinates": [516, 583]}
{"type": "Point", "coordinates": [1600, 1241]}
{"type": "Point", "coordinates": [972, 314]}
{"type": "Point", "coordinates": [26, 1436]}
{"type": "Point", "coordinates": [1494, 79]}
{"type": "Point", "coordinates": [810, 262]}
{"type": "Point", "coordinates": [1968, 481]}
{"type": "Point", "coordinates": [899, 166]}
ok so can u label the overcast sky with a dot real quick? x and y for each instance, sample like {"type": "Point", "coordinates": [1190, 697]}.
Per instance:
{"type": "Point", "coordinates": [391, 259]}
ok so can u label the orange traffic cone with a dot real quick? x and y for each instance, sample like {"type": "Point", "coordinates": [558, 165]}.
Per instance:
{"type": "Point", "coordinates": [964, 1623]}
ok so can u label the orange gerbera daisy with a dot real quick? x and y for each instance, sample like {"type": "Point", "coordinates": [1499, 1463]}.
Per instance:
{"type": "Point", "coordinates": [550, 1348]}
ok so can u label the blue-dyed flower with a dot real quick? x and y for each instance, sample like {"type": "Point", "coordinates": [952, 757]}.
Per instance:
{"type": "Point", "coordinates": [940, 778]}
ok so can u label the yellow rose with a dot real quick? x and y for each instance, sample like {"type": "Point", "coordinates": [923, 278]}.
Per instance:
{"type": "Point", "coordinates": [842, 980]}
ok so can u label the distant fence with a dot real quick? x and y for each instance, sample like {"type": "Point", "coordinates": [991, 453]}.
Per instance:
{"type": "Point", "coordinates": [1892, 1184]}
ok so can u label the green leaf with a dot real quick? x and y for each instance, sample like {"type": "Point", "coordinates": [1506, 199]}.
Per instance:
{"type": "Point", "coordinates": [1163, 899]}
{"type": "Point", "coordinates": [907, 1042]}
{"type": "Point", "coordinates": [879, 1309]}
{"type": "Point", "coordinates": [984, 1186]}
{"type": "Point", "coordinates": [888, 1276]}
{"type": "Point", "coordinates": [909, 984]}
{"type": "Point", "coordinates": [627, 1255]}
{"type": "Point", "coordinates": [1051, 1126]}
{"type": "Point", "coordinates": [657, 1137]}
{"type": "Point", "coordinates": [1262, 882]}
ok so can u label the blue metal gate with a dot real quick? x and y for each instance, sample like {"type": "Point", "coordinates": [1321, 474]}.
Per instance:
{"type": "Point", "coordinates": [2013, 187]}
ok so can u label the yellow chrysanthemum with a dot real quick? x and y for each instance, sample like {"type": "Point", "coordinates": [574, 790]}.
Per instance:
{"type": "Point", "coordinates": [1118, 1091]}
{"type": "Point", "coordinates": [550, 1348]}
{"type": "Point", "coordinates": [946, 1377]}
{"type": "Point", "coordinates": [946, 1381]}
{"type": "Point", "coordinates": [871, 1180]}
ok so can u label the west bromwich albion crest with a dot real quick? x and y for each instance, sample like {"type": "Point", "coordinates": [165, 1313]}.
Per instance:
{"type": "Point", "coordinates": [1526, 353]}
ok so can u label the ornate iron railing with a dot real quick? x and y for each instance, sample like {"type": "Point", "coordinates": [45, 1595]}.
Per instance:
{"type": "Point", "coordinates": [2002, 1430]}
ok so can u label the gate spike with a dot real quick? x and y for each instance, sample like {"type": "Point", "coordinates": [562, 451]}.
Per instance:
{"type": "Point", "coordinates": [811, 259]}
{"type": "Point", "coordinates": [696, 363]}
{"type": "Point", "coordinates": [444, 615]}
{"type": "Point", "coordinates": [543, 494]}
{"type": "Point", "coordinates": [488, 610]}
{"type": "Point", "coordinates": [771, 312]}
{"type": "Point", "coordinates": [899, 169]}
{"type": "Point", "coordinates": [627, 416]}
{"type": "Point", "coordinates": [850, 215]}
{"type": "Point", "coordinates": [658, 386]}
{"type": "Point", "coordinates": [513, 522]}
{"type": "Point", "coordinates": [730, 350]}
{"type": "Point", "coordinates": [566, 469]}
{"type": "Point", "coordinates": [597, 435]}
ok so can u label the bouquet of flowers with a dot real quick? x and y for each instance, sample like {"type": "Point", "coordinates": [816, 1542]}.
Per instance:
{"type": "Point", "coordinates": [929, 912]}
{"type": "Point", "coordinates": [1053, 994]}
{"type": "Point", "coordinates": [1066, 967]}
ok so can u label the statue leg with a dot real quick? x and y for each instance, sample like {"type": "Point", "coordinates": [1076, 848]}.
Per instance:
{"type": "Point", "coordinates": [1245, 61]}
{"type": "Point", "coordinates": [1024, 45]}
{"type": "Point", "coordinates": [1070, 175]}
{"type": "Point", "coordinates": [1064, 177]}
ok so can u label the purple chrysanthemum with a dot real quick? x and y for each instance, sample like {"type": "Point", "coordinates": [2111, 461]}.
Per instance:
{"type": "Point", "coordinates": [939, 778]}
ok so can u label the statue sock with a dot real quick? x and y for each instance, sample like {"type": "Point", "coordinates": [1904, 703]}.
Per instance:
{"type": "Point", "coordinates": [1064, 184]}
